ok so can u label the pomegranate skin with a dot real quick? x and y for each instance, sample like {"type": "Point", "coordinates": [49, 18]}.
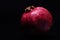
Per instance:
{"type": "Point", "coordinates": [40, 19]}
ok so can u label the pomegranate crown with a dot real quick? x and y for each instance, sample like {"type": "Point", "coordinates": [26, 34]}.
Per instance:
{"type": "Point", "coordinates": [29, 8]}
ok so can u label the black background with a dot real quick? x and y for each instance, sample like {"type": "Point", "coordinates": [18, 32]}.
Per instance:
{"type": "Point", "coordinates": [11, 12]}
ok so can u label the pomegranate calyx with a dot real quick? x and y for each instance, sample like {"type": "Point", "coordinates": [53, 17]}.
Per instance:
{"type": "Point", "coordinates": [29, 8]}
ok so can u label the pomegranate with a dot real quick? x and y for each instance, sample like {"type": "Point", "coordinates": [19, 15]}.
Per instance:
{"type": "Point", "coordinates": [37, 18]}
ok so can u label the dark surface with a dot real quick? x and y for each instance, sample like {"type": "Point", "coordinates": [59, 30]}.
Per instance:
{"type": "Point", "coordinates": [11, 12]}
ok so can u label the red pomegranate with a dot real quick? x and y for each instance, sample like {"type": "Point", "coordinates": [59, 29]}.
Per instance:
{"type": "Point", "coordinates": [39, 17]}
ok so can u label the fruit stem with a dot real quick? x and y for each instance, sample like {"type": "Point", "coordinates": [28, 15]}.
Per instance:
{"type": "Point", "coordinates": [29, 8]}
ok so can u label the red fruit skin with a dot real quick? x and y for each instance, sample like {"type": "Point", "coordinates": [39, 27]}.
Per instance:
{"type": "Point", "coordinates": [40, 17]}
